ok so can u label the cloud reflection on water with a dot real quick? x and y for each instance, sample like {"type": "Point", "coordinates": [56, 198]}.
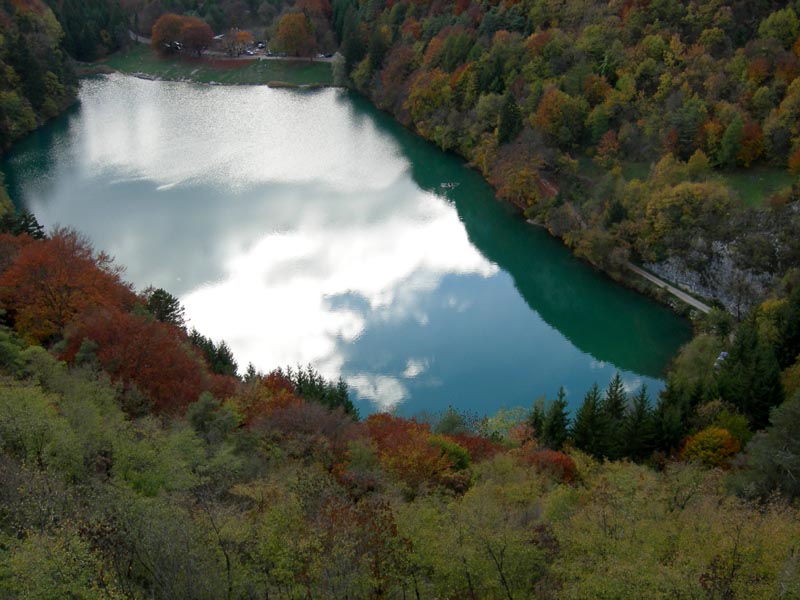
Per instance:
{"type": "Point", "coordinates": [365, 230]}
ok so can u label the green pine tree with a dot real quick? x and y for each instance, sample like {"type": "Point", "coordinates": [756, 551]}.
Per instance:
{"type": "Point", "coordinates": [613, 409]}
{"type": "Point", "coordinates": [556, 422]}
{"type": "Point", "coordinates": [638, 427]}
{"type": "Point", "coordinates": [589, 430]}
{"type": "Point", "coordinates": [750, 377]}
{"type": "Point", "coordinates": [509, 122]}
{"type": "Point", "coordinates": [536, 418]}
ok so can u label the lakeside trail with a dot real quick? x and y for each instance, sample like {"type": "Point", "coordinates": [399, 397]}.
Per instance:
{"type": "Point", "coordinates": [691, 301]}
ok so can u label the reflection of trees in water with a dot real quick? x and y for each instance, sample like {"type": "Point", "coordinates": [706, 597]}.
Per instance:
{"type": "Point", "coordinates": [599, 317]}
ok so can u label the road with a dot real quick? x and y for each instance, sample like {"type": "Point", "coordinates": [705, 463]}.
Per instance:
{"type": "Point", "coordinates": [691, 301]}
{"type": "Point", "coordinates": [139, 38]}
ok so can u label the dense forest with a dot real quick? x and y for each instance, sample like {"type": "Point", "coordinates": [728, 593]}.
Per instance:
{"type": "Point", "coordinates": [553, 100]}
{"type": "Point", "coordinates": [138, 460]}
{"type": "Point", "coordinates": [39, 42]}
{"type": "Point", "coordinates": [36, 79]}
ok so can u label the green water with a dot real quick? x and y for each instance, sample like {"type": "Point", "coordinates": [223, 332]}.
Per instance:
{"type": "Point", "coordinates": [306, 227]}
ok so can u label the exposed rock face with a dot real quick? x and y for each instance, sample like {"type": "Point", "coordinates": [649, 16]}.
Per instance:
{"type": "Point", "coordinates": [720, 279]}
{"type": "Point", "coordinates": [739, 272]}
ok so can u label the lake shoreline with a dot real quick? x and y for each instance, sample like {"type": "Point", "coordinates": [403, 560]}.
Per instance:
{"type": "Point", "coordinates": [496, 269]}
{"type": "Point", "coordinates": [626, 279]}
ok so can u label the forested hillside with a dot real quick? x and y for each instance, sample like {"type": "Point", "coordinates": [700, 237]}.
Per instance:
{"type": "Point", "coordinates": [136, 461]}
{"type": "Point", "coordinates": [38, 42]}
{"type": "Point", "coordinates": [36, 79]}
{"type": "Point", "coordinates": [563, 104]}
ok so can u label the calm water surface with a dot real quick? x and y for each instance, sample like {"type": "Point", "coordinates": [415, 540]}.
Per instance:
{"type": "Point", "coordinates": [306, 227]}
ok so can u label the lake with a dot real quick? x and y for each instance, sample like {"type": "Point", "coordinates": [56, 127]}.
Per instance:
{"type": "Point", "coordinates": [305, 227]}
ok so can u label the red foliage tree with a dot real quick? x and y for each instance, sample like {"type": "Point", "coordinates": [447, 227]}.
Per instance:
{"type": "Point", "coordinates": [478, 447]}
{"type": "Point", "coordinates": [196, 35]}
{"type": "Point", "coordinates": [315, 8]}
{"type": "Point", "coordinates": [552, 463]}
{"type": "Point", "coordinates": [135, 349]}
{"type": "Point", "coordinates": [10, 245]}
{"type": "Point", "coordinates": [52, 281]}
{"type": "Point", "coordinates": [751, 146]}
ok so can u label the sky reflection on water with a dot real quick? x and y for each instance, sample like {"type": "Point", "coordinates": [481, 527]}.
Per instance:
{"type": "Point", "coordinates": [294, 226]}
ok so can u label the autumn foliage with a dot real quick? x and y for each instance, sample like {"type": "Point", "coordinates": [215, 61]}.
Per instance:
{"type": "Point", "coordinates": [713, 447]}
{"type": "Point", "coordinates": [171, 29]}
{"type": "Point", "coordinates": [409, 451]}
{"type": "Point", "coordinates": [261, 398]}
{"type": "Point", "coordinates": [52, 281]}
{"type": "Point", "coordinates": [294, 35]}
{"type": "Point", "coordinates": [554, 464]}
{"type": "Point", "coordinates": [138, 350]}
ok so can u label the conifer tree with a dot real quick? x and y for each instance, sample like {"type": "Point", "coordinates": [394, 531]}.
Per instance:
{"type": "Point", "coordinates": [556, 422]}
{"type": "Point", "coordinates": [670, 417]}
{"type": "Point", "coordinates": [536, 418]}
{"type": "Point", "coordinates": [510, 120]}
{"type": "Point", "coordinates": [638, 427]}
{"type": "Point", "coordinates": [589, 430]}
{"type": "Point", "coordinates": [750, 375]}
{"type": "Point", "coordinates": [613, 409]}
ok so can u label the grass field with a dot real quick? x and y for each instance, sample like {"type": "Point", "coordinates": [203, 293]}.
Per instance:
{"type": "Point", "coordinates": [757, 184]}
{"type": "Point", "coordinates": [754, 185]}
{"type": "Point", "coordinates": [141, 59]}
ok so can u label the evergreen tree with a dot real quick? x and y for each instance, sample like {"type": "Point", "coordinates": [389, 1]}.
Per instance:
{"type": "Point", "coordinates": [787, 348]}
{"type": "Point", "coordinates": [669, 418]}
{"type": "Point", "coordinates": [731, 143]}
{"type": "Point", "coordinates": [353, 47]}
{"type": "Point", "coordinates": [219, 357]}
{"type": "Point", "coordinates": [556, 422]}
{"type": "Point", "coordinates": [536, 418]}
{"type": "Point", "coordinates": [750, 377]}
{"type": "Point", "coordinates": [613, 409]}
{"type": "Point", "coordinates": [509, 122]}
{"type": "Point", "coordinates": [589, 430]}
{"type": "Point", "coordinates": [638, 427]}
{"type": "Point", "coordinates": [164, 306]}
{"type": "Point", "coordinates": [19, 222]}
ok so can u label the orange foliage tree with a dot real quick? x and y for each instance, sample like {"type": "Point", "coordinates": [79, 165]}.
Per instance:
{"type": "Point", "coordinates": [407, 450]}
{"type": "Point", "coordinates": [165, 33]}
{"type": "Point", "coordinates": [713, 447]}
{"type": "Point", "coordinates": [259, 399]}
{"type": "Point", "coordinates": [52, 281]}
{"type": "Point", "coordinates": [294, 35]}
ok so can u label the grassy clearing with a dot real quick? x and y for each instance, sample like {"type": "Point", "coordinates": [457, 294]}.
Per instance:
{"type": "Point", "coordinates": [757, 184]}
{"type": "Point", "coordinates": [141, 59]}
{"type": "Point", "coordinates": [754, 185]}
